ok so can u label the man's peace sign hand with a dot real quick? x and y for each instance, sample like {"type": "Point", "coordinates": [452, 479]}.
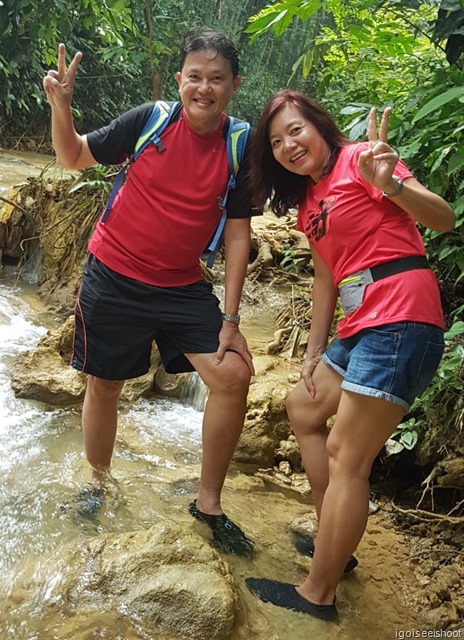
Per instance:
{"type": "Point", "coordinates": [378, 163]}
{"type": "Point", "coordinates": [59, 85]}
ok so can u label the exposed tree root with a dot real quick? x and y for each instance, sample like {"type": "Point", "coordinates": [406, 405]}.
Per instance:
{"type": "Point", "coordinates": [430, 516]}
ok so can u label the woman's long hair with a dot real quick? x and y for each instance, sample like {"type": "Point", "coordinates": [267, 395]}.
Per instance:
{"type": "Point", "coordinates": [284, 189]}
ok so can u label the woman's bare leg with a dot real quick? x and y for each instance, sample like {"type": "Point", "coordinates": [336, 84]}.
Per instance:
{"type": "Point", "coordinates": [362, 426]}
{"type": "Point", "coordinates": [308, 417]}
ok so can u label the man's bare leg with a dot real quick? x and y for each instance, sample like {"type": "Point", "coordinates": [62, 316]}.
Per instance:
{"type": "Point", "coordinates": [224, 415]}
{"type": "Point", "coordinates": [99, 424]}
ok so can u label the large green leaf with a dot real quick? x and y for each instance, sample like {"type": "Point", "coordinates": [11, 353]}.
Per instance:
{"type": "Point", "coordinates": [456, 330]}
{"type": "Point", "coordinates": [452, 94]}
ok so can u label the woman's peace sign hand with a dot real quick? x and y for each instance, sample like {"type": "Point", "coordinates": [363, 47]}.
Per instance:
{"type": "Point", "coordinates": [378, 163]}
{"type": "Point", "coordinates": [59, 85]}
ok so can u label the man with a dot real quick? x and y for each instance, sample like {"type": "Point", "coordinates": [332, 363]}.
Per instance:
{"type": "Point", "coordinates": [142, 281]}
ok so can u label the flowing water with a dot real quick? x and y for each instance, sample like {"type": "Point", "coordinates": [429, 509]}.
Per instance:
{"type": "Point", "coordinates": [155, 475]}
{"type": "Point", "coordinates": [16, 167]}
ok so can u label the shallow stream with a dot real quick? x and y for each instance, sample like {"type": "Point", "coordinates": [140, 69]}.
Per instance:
{"type": "Point", "coordinates": [155, 472]}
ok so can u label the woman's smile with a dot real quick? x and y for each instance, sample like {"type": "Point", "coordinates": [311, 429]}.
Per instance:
{"type": "Point", "coordinates": [298, 156]}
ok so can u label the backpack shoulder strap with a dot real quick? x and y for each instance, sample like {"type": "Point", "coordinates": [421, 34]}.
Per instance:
{"type": "Point", "coordinates": [160, 117]}
{"type": "Point", "coordinates": [237, 137]}
{"type": "Point", "coordinates": [236, 141]}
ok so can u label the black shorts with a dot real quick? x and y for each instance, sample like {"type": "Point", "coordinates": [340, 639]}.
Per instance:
{"type": "Point", "coordinates": [117, 319]}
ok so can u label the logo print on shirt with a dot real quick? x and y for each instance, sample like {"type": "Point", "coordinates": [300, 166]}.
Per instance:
{"type": "Point", "coordinates": [318, 223]}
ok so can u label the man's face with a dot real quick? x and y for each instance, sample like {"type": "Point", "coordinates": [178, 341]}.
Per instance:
{"type": "Point", "coordinates": [206, 86]}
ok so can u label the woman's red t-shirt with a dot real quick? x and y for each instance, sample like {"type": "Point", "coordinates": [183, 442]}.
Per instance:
{"type": "Point", "coordinates": [354, 227]}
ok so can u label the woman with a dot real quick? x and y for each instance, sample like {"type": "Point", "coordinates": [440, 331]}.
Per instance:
{"type": "Point", "coordinates": [358, 205]}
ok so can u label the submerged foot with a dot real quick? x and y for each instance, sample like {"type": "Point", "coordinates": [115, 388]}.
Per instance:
{"type": "Point", "coordinates": [89, 502]}
{"type": "Point", "coordinates": [227, 537]}
{"type": "Point", "coordinates": [285, 595]}
{"type": "Point", "coordinates": [305, 545]}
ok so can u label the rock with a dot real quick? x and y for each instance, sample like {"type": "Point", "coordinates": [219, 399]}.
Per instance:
{"type": "Point", "coordinates": [373, 507]}
{"type": "Point", "coordinates": [171, 385]}
{"type": "Point", "coordinates": [186, 386]}
{"type": "Point", "coordinates": [43, 375]}
{"type": "Point", "coordinates": [441, 617]}
{"type": "Point", "coordinates": [143, 385]}
{"type": "Point", "coordinates": [166, 577]}
{"type": "Point", "coordinates": [445, 580]}
{"type": "Point", "coordinates": [263, 365]}
{"type": "Point", "coordinates": [290, 451]}
{"type": "Point", "coordinates": [304, 525]}
{"type": "Point", "coordinates": [285, 468]}
{"type": "Point", "coordinates": [450, 472]}
{"type": "Point", "coordinates": [266, 422]}
{"type": "Point", "coordinates": [281, 478]}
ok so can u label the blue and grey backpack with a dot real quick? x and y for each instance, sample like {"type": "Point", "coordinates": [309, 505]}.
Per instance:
{"type": "Point", "coordinates": [163, 113]}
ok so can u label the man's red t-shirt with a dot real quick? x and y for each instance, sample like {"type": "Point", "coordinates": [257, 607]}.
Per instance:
{"type": "Point", "coordinates": [167, 211]}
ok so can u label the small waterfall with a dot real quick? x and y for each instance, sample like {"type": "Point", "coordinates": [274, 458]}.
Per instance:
{"type": "Point", "coordinates": [195, 392]}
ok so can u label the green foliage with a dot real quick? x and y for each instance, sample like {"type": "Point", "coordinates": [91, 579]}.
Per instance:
{"type": "Point", "coordinates": [98, 177]}
{"type": "Point", "coordinates": [290, 261]}
{"type": "Point", "coordinates": [449, 26]}
{"type": "Point", "coordinates": [442, 403]}
{"type": "Point", "coordinates": [405, 436]}
{"type": "Point", "coordinates": [130, 57]}
{"type": "Point", "coordinates": [115, 73]}
{"type": "Point", "coordinates": [451, 95]}
{"type": "Point", "coordinates": [280, 15]}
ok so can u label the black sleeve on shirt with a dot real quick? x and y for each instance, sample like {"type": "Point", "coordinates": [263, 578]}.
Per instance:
{"type": "Point", "coordinates": [240, 200]}
{"type": "Point", "coordinates": [114, 143]}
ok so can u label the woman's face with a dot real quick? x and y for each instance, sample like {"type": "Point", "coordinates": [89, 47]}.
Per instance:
{"type": "Point", "coordinates": [296, 143]}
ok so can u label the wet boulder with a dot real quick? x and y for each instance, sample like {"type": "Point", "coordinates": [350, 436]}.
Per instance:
{"type": "Point", "coordinates": [44, 373]}
{"type": "Point", "coordinates": [166, 577]}
{"type": "Point", "coordinates": [266, 422]}
{"type": "Point", "coordinates": [41, 375]}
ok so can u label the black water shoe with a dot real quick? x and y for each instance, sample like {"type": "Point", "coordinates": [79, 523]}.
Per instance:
{"type": "Point", "coordinates": [305, 545]}
{"type": "Point", "coordinates": [227, 537]}
{"type": "Point", "coordinates": [285, 595]}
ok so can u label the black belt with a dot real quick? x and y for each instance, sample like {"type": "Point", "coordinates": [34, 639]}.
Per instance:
{"type": "Point", "coordinates": [398, 266]}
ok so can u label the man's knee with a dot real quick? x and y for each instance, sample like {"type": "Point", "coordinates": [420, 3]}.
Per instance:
{"type": "Point", "coordinates": [105, 388]}
{"type": "Point", "coordinates": [232, 376]}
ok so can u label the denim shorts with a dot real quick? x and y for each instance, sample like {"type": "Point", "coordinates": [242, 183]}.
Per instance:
{"type": "Point", "coordinates": [394, 362]}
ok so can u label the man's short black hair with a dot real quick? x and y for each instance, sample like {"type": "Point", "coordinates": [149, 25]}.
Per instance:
{"type": "Point", "coordinates": [204, 38]}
